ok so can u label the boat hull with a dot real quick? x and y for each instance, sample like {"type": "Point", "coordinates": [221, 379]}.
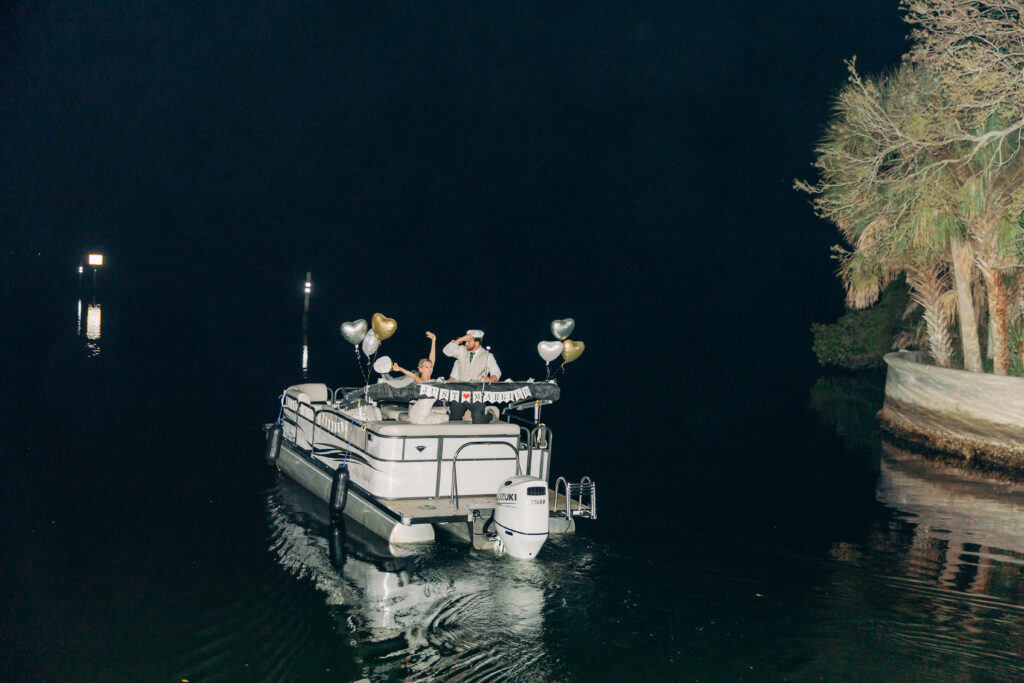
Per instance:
{"type": "Point", "coordinates": [360, 507]}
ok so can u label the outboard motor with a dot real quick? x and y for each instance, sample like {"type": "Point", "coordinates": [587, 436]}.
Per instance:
{"type": "Point", "coordinates": [521, 516]}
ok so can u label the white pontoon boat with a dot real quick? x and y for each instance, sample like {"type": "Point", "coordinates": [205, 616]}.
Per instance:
{"type": "Point", "coordinates": [484, 484]}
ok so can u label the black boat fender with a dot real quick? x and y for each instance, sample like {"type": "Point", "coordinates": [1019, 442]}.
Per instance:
{"type": "Point", "coordinates": [339, 491]}
{"type": "Point", "coordinates": [274, 436]}
{"type": "Point", "coordinates": [336, 544]}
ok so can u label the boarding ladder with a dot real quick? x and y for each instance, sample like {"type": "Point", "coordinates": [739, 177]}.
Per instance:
{"type": "Point", "coordinates": [585, 489]}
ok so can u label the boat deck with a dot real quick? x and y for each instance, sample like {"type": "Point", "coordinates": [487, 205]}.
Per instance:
{"type": "Point", "coordinates": [441, 510]}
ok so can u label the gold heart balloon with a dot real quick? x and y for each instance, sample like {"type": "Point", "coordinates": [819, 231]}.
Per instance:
{"type": "Point", "coordinates": [383, 326]}
{"type": "Point", "coordinates": [571, 350]}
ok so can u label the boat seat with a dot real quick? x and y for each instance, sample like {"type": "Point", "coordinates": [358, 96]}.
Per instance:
{"type": "Point", "coordinates": [394, 411]}
{"type": "Point", "coordinates": [316, 393]}
{"type": "Point", "coordinates": [491, 411]}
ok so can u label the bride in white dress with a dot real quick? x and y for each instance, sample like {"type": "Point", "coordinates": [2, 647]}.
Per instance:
{"type": "Point", "coordinates": [421, 412]}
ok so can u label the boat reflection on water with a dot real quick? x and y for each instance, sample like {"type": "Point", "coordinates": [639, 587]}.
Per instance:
{"type": "Point", "coordinates": [436, 612]}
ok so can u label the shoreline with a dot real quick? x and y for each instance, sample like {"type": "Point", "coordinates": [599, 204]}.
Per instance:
{"type": "Point", "coordinates": [968, 420]}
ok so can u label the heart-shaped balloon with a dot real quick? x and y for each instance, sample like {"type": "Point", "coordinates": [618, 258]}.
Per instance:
{"type": "Point", "coordinates": [562, 328]}
{"type": "Point", "coordinates": [370, 343]}
{"type": "Point", "coordinates": [354, 332]}
{"type": "Point", "coordinates": [383, 326]}
{"type": "Point", "coordinates": [549, 350]}
{"type": "Point", "coordinates": [571, 350]}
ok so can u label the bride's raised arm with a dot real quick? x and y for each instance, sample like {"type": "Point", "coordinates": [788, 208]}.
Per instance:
{"type": "Point", "coordinates": [433, 344]}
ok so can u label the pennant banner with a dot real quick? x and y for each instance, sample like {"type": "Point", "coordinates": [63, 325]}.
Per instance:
{"type": "Point", "coordinates": [499, 392]}
{"type": "Point", "coordinates": [515, 396]}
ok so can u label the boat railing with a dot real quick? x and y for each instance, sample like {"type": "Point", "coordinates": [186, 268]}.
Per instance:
{"type": "Point", "coordinates": [454, 499]}
{"type": "Point", "coordinates": [541, 438]}
{"type": "Point", "coordinates": [524, 442]}
{"type": "Point", "coordinates": [533, 437]}
{"type": "Point", "coordinates": [318, 422]}
{"type": "Point", "coordinates": [291, 405]}
{"type": "Point", "coordinates": [536, 439]}
{"type": "Point", "coordinates": [337, 393]}
{"type": "Point", "coordinates": [295, 406]}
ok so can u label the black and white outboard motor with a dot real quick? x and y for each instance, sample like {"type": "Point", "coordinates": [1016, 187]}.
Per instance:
{"type": "Point", "coordinates": [521, 516]}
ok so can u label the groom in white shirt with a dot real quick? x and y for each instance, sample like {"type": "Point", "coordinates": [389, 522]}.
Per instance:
{"type": "Point", "coordinates": [473, 363]}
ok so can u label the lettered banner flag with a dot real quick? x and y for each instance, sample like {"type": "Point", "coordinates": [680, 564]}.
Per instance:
{"type": "Point", "coordinates": [475, 396]}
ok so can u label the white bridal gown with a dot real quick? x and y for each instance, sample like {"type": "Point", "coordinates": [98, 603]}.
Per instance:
{"type": "Point", "coordinates": [421, 413]}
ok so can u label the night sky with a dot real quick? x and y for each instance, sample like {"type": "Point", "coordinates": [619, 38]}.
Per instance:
{"type": "Point", "coordinates": [452, 165]}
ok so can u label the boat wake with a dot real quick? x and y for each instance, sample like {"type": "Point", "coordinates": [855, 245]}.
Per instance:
{"type": "Point", "coordinates": [439, 613]}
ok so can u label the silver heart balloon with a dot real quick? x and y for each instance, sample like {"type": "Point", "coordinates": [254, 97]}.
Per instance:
{"type": "Point", "coordinates": [549, 350]}
{"type": "Point", "coordinates": [563, 328]}
{"type": "Point", "coordinates": [370, 343]}
{"type": "Point", "coordinates": [354, 332]}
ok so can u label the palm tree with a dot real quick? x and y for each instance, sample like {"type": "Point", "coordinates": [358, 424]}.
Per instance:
{"type": "Point", "coordinates": [879, 258]}
{"type": "Point", "coordinates": [896, 200]}
{"type": "Point", "coordinates": [989, 201]}
{"type": "Point", "coordinates": [932, 236]}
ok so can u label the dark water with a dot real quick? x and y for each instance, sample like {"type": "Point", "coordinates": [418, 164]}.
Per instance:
{"type": "Point", "coordinates": [145, 539]}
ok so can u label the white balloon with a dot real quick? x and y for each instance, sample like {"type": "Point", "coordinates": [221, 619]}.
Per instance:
{"type": "Point", "coordinates": [370, 343]}
{"type": "Point", "coordinates": [549, 350]}
{"type": "Point", "coordinates": [562, 328]}
{"type": "Point", "coordinates": [354, 332]}
{"type": "Point", "coordinates": [383, 364]}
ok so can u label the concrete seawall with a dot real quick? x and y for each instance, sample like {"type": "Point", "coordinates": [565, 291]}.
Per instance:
{"type": "Point", "coordinates": [965, 418]}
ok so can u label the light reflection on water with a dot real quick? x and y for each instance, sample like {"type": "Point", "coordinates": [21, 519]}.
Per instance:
{"type": "Point", "coordinates": [951, 563]}
{"type": "Point", "coordinates": [433, 613]}
{"type": "Point", "coordinates": [93, 321]}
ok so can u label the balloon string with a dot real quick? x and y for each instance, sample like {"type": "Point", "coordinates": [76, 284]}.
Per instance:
{"type": "Point", "coordinates": [359, 359]}
{"type": "Point", "coordinates": [364, 370]}
{"type": "Point", "coordinates": [558, 373]}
